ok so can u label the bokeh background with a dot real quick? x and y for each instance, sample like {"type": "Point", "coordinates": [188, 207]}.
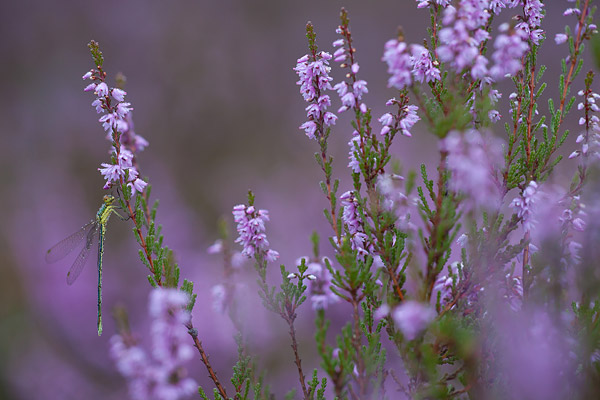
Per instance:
{"type": "Point", "coordinates": [214, 93]}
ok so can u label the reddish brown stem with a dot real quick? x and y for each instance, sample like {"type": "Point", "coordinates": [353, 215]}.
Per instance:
{"type": "Point", "coordinates": [198, 344]}
{"type": "Point", "coordinates": [297, 359]}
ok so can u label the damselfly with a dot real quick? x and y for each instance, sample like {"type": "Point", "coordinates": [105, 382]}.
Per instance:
{"type": "Point", "coordinates": [86, 235]}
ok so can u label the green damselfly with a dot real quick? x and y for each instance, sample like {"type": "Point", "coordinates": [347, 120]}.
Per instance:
{"type": "Point", "coordinates": [86, 235]}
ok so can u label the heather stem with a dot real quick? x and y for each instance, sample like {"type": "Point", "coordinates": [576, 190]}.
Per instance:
{"type": "Point", "coordinates": [198, 344]}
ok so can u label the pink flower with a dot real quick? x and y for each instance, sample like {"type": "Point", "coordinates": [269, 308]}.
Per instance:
{"type": "Point", "coordinates": [412, 318]}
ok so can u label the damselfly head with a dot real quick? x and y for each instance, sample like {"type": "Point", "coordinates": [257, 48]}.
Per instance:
{"type": "Point", "coordinates": [108, 199]}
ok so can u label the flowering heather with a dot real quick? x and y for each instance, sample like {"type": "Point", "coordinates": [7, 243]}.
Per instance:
{"type": "Point", "coordinates": [116, 121]}
{"type": "Point", "coordinates": [160, 376]}
{"type": "Point", "coordinates": [353, 222]}
{"type": "Point", "coordinates": [408, 63]}
{"type": "Point", "coordinates": [589, 139]}
{"type": "Point", "coordinates": [463, 34]}
{"type": "Point", "coordinates": [351, 92]}
{"type": "Point", "coordinates": [466, 276]}
{"type": "Point", "coordinates": [532, 21]}
{"type": "Point", "coordinates": [251, 230]}
{"type": "Point", "coordinates": [313, 71]}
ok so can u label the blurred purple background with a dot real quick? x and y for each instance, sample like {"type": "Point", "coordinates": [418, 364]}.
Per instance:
{"type": "Point", "coordinates": [214, 93]}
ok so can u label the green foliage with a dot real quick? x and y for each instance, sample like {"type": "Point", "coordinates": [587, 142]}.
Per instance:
{"type": "Point", "coordinates": [188, 287]}
{"type": "Point", "coordinates": [96, 53]}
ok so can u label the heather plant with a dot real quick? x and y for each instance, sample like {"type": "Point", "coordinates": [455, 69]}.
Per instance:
{"type": "Point", "coordinates": [474, 278]}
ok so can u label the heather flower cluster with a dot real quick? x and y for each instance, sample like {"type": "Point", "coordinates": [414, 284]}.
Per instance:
{"type": "Point", "coordinates": [159, 375]}
{"type": "Point", "coordinates": [403, 121]}
{"type": "Point", "coordinates": [353, 223]}
{"type": "Point", "coordinates": [580, 30]}
{"type": "Point", "coordinates": [589, 140]}
{"type": "Point", "coordinates": [463, 35]}
{"type": "Point", "coordinates": [350, 93]}
{"type": "Point", "coordinates": [314, 81]}
{"type": "Point", "coordinates": [408, 64]}
{"type": "Point", "coordinates": [118, 124]}
{"type": "Point", "coordinates": [530, 24]}
{"type": "Point", "coordinates": [251, 230]}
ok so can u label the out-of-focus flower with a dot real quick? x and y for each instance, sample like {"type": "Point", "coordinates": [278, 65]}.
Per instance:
{"type": "Point", "coordinates": [162, 376]}
{"type": "Point", "coordinates": [472, 160]}
{"type": "Point", "coordinates": [509, 49]}
{"type": "Point", "coordinates": [219, 295]}
{"type": "Point", "coordinates": [394, 200]}
{"type": "Point", "coordinates": [319, 285]}
{"type": "Point", "coordinates": [513, 292]}
{"type": "Point", "coordinates": [412, 318]}
{"type": "Point", "coordinates": [463, 33]}
{"type": "Point", "coordinates": [560, 38]}
{"type": "Point", "coordinates": [216, 247]}
{"type": "Point", "coordinates": [443, 284]}
{"type": "Point", "coordinates": [399, 63]}
{"type": "Point", "coordinates": [382, 312]}
{"type": "Point", "coordinates": [524, 204]}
